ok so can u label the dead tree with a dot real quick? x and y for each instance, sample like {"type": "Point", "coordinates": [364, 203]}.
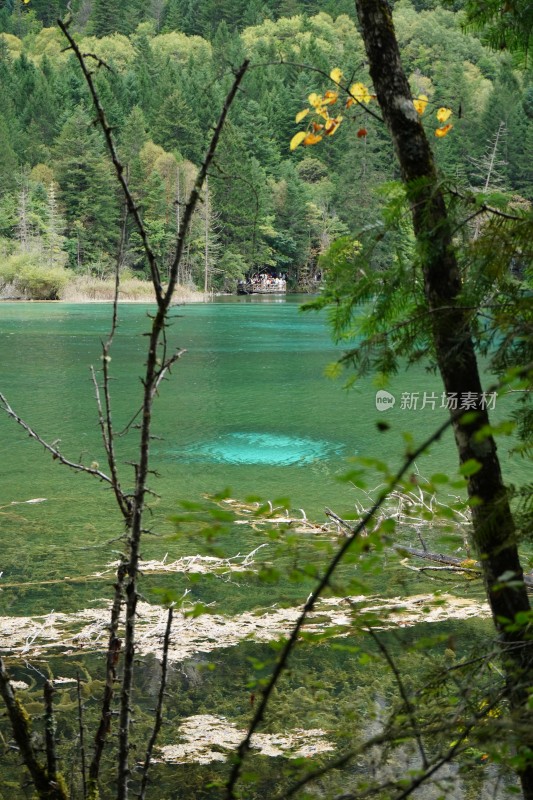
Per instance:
{"type": "Point", "coordinates": [159, 362]}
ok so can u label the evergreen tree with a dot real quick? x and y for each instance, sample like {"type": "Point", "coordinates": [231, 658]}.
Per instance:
{"type": "Point", "coordinates": [107, 17]}
{"type": "Point", "coordinates": [176, 128]}
{"type": "Point", "coordinates": [520, 145]}
{"type": "Point", "coordinates": [242, 199]}
{"type": "Point", "coordinates": [8, 159]}
{"type": "Point", "coordinates": [132, 138]}
{"type": "Point", "coordinates": [49, 11]}
{"type": "Point", "coordinates": [173, 17]}
{"type": "Point", "coordinates": [146, 75]}
{"type": "Point", "coordinates": [86, 191]}
{"type": "Point", "coordinates": [136, 11]}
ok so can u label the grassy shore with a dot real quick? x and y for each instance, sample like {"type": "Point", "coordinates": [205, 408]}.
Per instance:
{"type": "Point", "coordinates": [90, 289]}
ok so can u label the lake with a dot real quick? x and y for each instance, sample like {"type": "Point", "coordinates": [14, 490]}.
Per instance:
{"type": "Point", "coordinates": [247, 407]}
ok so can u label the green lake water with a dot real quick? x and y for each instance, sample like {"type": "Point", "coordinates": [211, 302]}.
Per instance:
{"type": "Point", "coordinates": [247, 407]}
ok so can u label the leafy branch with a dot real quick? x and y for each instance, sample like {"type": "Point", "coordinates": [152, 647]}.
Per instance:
{"type": "Point", "coordinates": [290, 644]}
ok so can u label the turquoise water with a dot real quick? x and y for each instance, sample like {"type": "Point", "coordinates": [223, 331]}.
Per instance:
{"type": "Point", "coordinates": [261, 448]}
{"type": "Point", "coordinates": [247, 408]}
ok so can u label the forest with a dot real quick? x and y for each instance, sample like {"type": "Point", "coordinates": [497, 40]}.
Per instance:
{"type": "Point", "coordinates": [165, 67]}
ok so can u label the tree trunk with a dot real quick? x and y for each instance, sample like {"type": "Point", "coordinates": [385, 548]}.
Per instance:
{"type": "Point", "coordinates": [493, 527]}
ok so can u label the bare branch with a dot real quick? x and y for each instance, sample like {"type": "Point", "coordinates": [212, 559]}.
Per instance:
{"type": "Point", "coordinates": [158, 719]}
{"type": "Point", "coordinates": [471, 198]}
{"type": "Point", "coordinates": [407, 703]}
{"type": "Point", "coordinates": [51, 449]}
{"type": "Point", "coordinates": [49, 728]}
{"type": "Point", "coordinates": [341, 522]}
{"type": "Point", "coordinates": [244, 746]}
{"type": "Point", "coordinates": [113, 654]}
{"type": "Point", "coordinates": [166, 368]}
{"type": "Point", "coordinates": [82, 737]}
{"type": "Point", "coordinates": [119, 168]}
{"type": "Point", "coordinates": [22, 734]}
{"type": "Point", "coordinates": [106, 428]}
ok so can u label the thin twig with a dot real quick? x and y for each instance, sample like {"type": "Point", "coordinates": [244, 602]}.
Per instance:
{"type": "Point", "coordinates": [20, 725]}
{"type": "Point", "coordinates": [51, 449]}
{"type": "Point", "coordinates": [158, 719]}
{"type": "Point", "coordinates": [166, 368]}
{"type": "Point", "coordinates": [119, 168]}
{"type": "Point", "coordinates": [106, 429]}
{"type": "Point", "coordinates": [324, 74]}
{"type": "Point", "coordinates": [407, 703]}
{"type": "Point", "coordinates": [484, 207]}
{"type": "Point", "coordinates": [244, 746]}
{"type": "Point", "coordinates": [113, 654]}
{"type": "Point", "coordinates": [82, 737]}
{"type": "Point", "coordinates": [49, 729]}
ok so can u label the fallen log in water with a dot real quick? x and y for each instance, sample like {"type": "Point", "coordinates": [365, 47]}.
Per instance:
{"type": "Point", "coordinates": [460, 564]}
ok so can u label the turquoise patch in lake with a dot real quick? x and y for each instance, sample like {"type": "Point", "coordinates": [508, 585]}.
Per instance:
{"type": "Point", "coordinates": [262, 448]}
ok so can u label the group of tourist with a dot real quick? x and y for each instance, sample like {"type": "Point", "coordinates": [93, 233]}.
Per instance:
{"type": "Point", "coordinates": [265, 280]}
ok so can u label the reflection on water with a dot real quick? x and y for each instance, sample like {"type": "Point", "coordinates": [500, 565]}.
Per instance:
{"type": "Point", "coordinates": [261, 448]}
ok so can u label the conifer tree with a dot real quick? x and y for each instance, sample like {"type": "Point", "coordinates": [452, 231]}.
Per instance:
{"type": "Point", "coordinates": [173, 17]}
{"type": "Point", "coordinates": [86, 191]}
{"type": "Point", "coordinates": [175, 126]}
{"type": "Point", "coordinates": [107, 17]}
{"type": "Point", "coordinates": [8, 159]}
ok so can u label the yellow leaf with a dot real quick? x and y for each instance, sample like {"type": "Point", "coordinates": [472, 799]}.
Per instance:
{"type": "Point", "coordinates": [360, 93]}
{"type": "Point", "coordinates": [330, 98]}
{"type": "Point", "coordinates": [311, 138]}
{"type": "Point", "coordinates": [420, 103]}
{"type": "Point", "coordinates": [336, 75]}
{"type": "Point", "coordinates": [301, 114]}
{"type": "Point", "coordinates": [332, 125]}
{"type": "Point", "coordinates": [315, 100]}
{"type": "Point", "coordinates": [440, 132]}
{"type": "Point", "coordinates": [297, 139]}
{"type": "Point", "coordinates": [443, 114]}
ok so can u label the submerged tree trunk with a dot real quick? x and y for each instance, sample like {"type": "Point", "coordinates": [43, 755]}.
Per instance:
{"type": "Point", "coordinates": [493, 527]}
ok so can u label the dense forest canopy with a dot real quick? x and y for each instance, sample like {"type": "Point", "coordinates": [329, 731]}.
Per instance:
{"type": "Point", "coordinates": [165, 68]}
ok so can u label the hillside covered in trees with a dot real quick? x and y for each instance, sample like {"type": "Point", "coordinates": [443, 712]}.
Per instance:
{"type": "Point", "coordinates": [165, 67]}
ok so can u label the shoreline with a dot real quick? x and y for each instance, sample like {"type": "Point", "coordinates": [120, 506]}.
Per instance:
{"type": "Point", "coordinates": [91, 289]}
{"type": "Point", "coordinates": [93, 301]}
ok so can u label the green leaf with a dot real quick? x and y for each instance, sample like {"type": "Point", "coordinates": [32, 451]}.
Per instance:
{"type": "Point", "coordinates": [470, 467]}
